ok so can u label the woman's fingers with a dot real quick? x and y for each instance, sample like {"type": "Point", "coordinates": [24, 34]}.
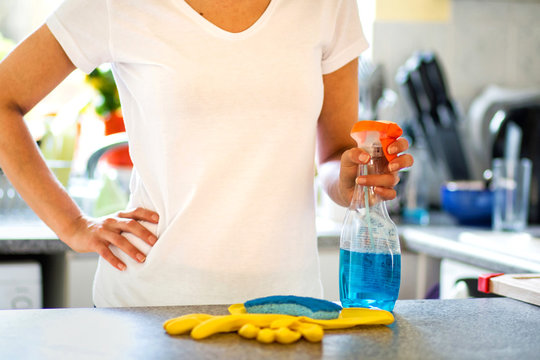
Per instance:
{"type": "Point", "coordinates": [140, 214]}
{"type": "Point", "coordinates": [129, 222]}
{"type": "Point", "coordinates": [106, 253]}
{"type": "Point", "coordinates": [352, 157]}
{"type": "Point", "coordinates": [123, 244]}
{"type": "Point", "coordinates": [385, 193]}
{"type": "Point", "coordinates": [355, 156]}
{"type": "Point", "coordinates": [400, 145]}
{"type": "Point", "coordinates": [379, 180]}
{"type": "Point", "coordinates": [383, 185]}
{"type": "Point", "coordinates": [110, 234]}
{"type": "Point", "coordinates": [350, 160]}
{"type": "Point", "coordinates": [97, 235]}
{"type": "Point", "coordinates": [401, 162]}
{"type": "Point", "coordinates": [133, 227]}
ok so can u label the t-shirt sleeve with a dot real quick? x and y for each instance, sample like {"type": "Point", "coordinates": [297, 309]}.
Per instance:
{"type": "Point", "coordinates": [347, 39]}
{"type": "Point", "coordinates": [82, 29]}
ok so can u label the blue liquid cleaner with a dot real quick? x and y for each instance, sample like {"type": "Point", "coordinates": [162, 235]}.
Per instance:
{"type": "Point", "coordinates": [369, 280]}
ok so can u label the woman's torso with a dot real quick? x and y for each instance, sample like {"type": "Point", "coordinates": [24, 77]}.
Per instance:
{"type": "Point", "coordinates": [222, 134]}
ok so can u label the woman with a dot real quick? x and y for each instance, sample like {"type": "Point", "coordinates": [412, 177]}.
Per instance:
{"type": "Point", "coordinates": [226, 105]}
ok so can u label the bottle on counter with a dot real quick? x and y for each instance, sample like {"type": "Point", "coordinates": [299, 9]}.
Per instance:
{"type": "Point", "coordinates": [370, 255]}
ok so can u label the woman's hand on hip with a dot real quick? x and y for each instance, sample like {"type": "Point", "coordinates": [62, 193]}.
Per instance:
{"type": "Point", "coordinates": [97, 234]}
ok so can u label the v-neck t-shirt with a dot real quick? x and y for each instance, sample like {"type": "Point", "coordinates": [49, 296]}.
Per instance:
{"type": "Point", "coordinates": [221, 130]}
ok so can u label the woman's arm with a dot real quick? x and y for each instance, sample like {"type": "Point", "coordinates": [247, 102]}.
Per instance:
{"type": "Point", "coordinates": [338, 156]}
{"type": "Point", "coordinates": [27, 75]}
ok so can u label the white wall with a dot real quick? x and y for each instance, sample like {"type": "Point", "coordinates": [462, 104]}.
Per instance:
{"type": "Point", "coordinates": [484, 42]}
{"type": "Point", "coordinates": [20, 17]}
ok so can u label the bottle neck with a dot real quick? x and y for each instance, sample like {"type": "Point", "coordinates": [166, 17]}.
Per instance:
{"type": "Point", "coordinates": [365, 194]}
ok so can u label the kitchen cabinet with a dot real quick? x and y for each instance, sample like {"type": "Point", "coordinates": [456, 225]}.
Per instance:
{"type": "Point", "coordinates": [469, 252]}
{"type": "Point", "coordinates": [80, 270]}
{"type": "Point", "coordinates": [31, 241]}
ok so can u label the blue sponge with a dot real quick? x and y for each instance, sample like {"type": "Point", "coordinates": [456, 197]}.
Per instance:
{"type": "Point", "coordinates": [293, 305]}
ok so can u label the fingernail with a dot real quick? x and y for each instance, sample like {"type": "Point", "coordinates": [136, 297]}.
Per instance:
{"type": "Point", "coordinates": [393, 167]}
{"type": "Point", "coordinates": [363, 157]}
{"type": "Point", "coordinates": [152, 239]}
{"type": "Point", "coordinates": [392, 149]}
{"type": "Point", "coordinates": [140, 257]}
{"type": "Point", "coordinates": [155, 217]}
{"type": "Point", "coordinates": [361, 180]}
{"type": "Point", "coordinates": [121, 267]}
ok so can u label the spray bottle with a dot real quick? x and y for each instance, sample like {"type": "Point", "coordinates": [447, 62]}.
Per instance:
{"type": "Point", "coordinates": [370, 255]}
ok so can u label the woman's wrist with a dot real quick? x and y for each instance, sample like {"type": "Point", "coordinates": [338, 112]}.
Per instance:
{"type": "Point", "coordinates": [67, 228]}
{"type": "Point", "coordinates": [330, 177]}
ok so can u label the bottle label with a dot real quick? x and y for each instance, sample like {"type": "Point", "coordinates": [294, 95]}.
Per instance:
{"type": "Point", "coordinates": [374, 234]}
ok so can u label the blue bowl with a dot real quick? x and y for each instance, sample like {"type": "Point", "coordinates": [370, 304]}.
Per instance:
{"type": "Point", "coordinates": [468, 202]}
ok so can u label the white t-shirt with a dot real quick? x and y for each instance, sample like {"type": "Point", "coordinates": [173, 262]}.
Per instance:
{"type": "Point", "coordinates": [222, 130]}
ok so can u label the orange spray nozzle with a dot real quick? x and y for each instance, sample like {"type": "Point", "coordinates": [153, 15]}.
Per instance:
{"type": "Point", "coordinates": [388, 133]}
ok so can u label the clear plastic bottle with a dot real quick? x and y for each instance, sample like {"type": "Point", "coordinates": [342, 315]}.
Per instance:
{"type": "Point", "coordinates": [370, 255]}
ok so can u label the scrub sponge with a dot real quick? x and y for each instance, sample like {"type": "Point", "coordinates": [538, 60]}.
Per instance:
{"type": "Point", "coordinates": [294, 305]}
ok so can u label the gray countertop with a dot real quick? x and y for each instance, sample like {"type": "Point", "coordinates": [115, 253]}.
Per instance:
{"type": "Point", "coordinates": [28, 237]}
{"type": "Point", "coordinates": [490, 328]}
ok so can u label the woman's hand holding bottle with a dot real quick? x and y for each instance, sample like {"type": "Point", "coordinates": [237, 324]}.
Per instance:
{"type": "Point", "coordinates": [383, 184]}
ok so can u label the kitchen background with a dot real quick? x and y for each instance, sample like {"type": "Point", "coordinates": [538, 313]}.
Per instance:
{"type": "Point", "coordinates": [480, 45]}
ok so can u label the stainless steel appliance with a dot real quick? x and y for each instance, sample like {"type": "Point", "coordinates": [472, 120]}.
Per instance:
{"type": "Point", "coordinates": [20, 285]}
{"type": "Point", "coordinates": [491, 116]}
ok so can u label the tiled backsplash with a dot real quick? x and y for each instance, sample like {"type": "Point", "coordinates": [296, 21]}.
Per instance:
{"type": "Point", "coordinates": [485, 42]}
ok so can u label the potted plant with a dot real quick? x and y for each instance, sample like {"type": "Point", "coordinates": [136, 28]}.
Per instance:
{"type": "Point", "coordinates": [108, 107]}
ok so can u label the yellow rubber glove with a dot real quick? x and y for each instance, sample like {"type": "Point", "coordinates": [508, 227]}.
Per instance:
{"type": "Point", "coordinates": [229, 323]}
{"type": "Point", "coordinates": [283, 335]}
{"type": "Point", "coordinates": [184, 324]}
{"type": "Point", "coordinates": [348, 317]}
{"type": "Point", "coordinates": [267, 328]}
{"type": "Point", "coordinates": [249, 331]}
{"type": "Point", "coordinates": [266, 336]}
